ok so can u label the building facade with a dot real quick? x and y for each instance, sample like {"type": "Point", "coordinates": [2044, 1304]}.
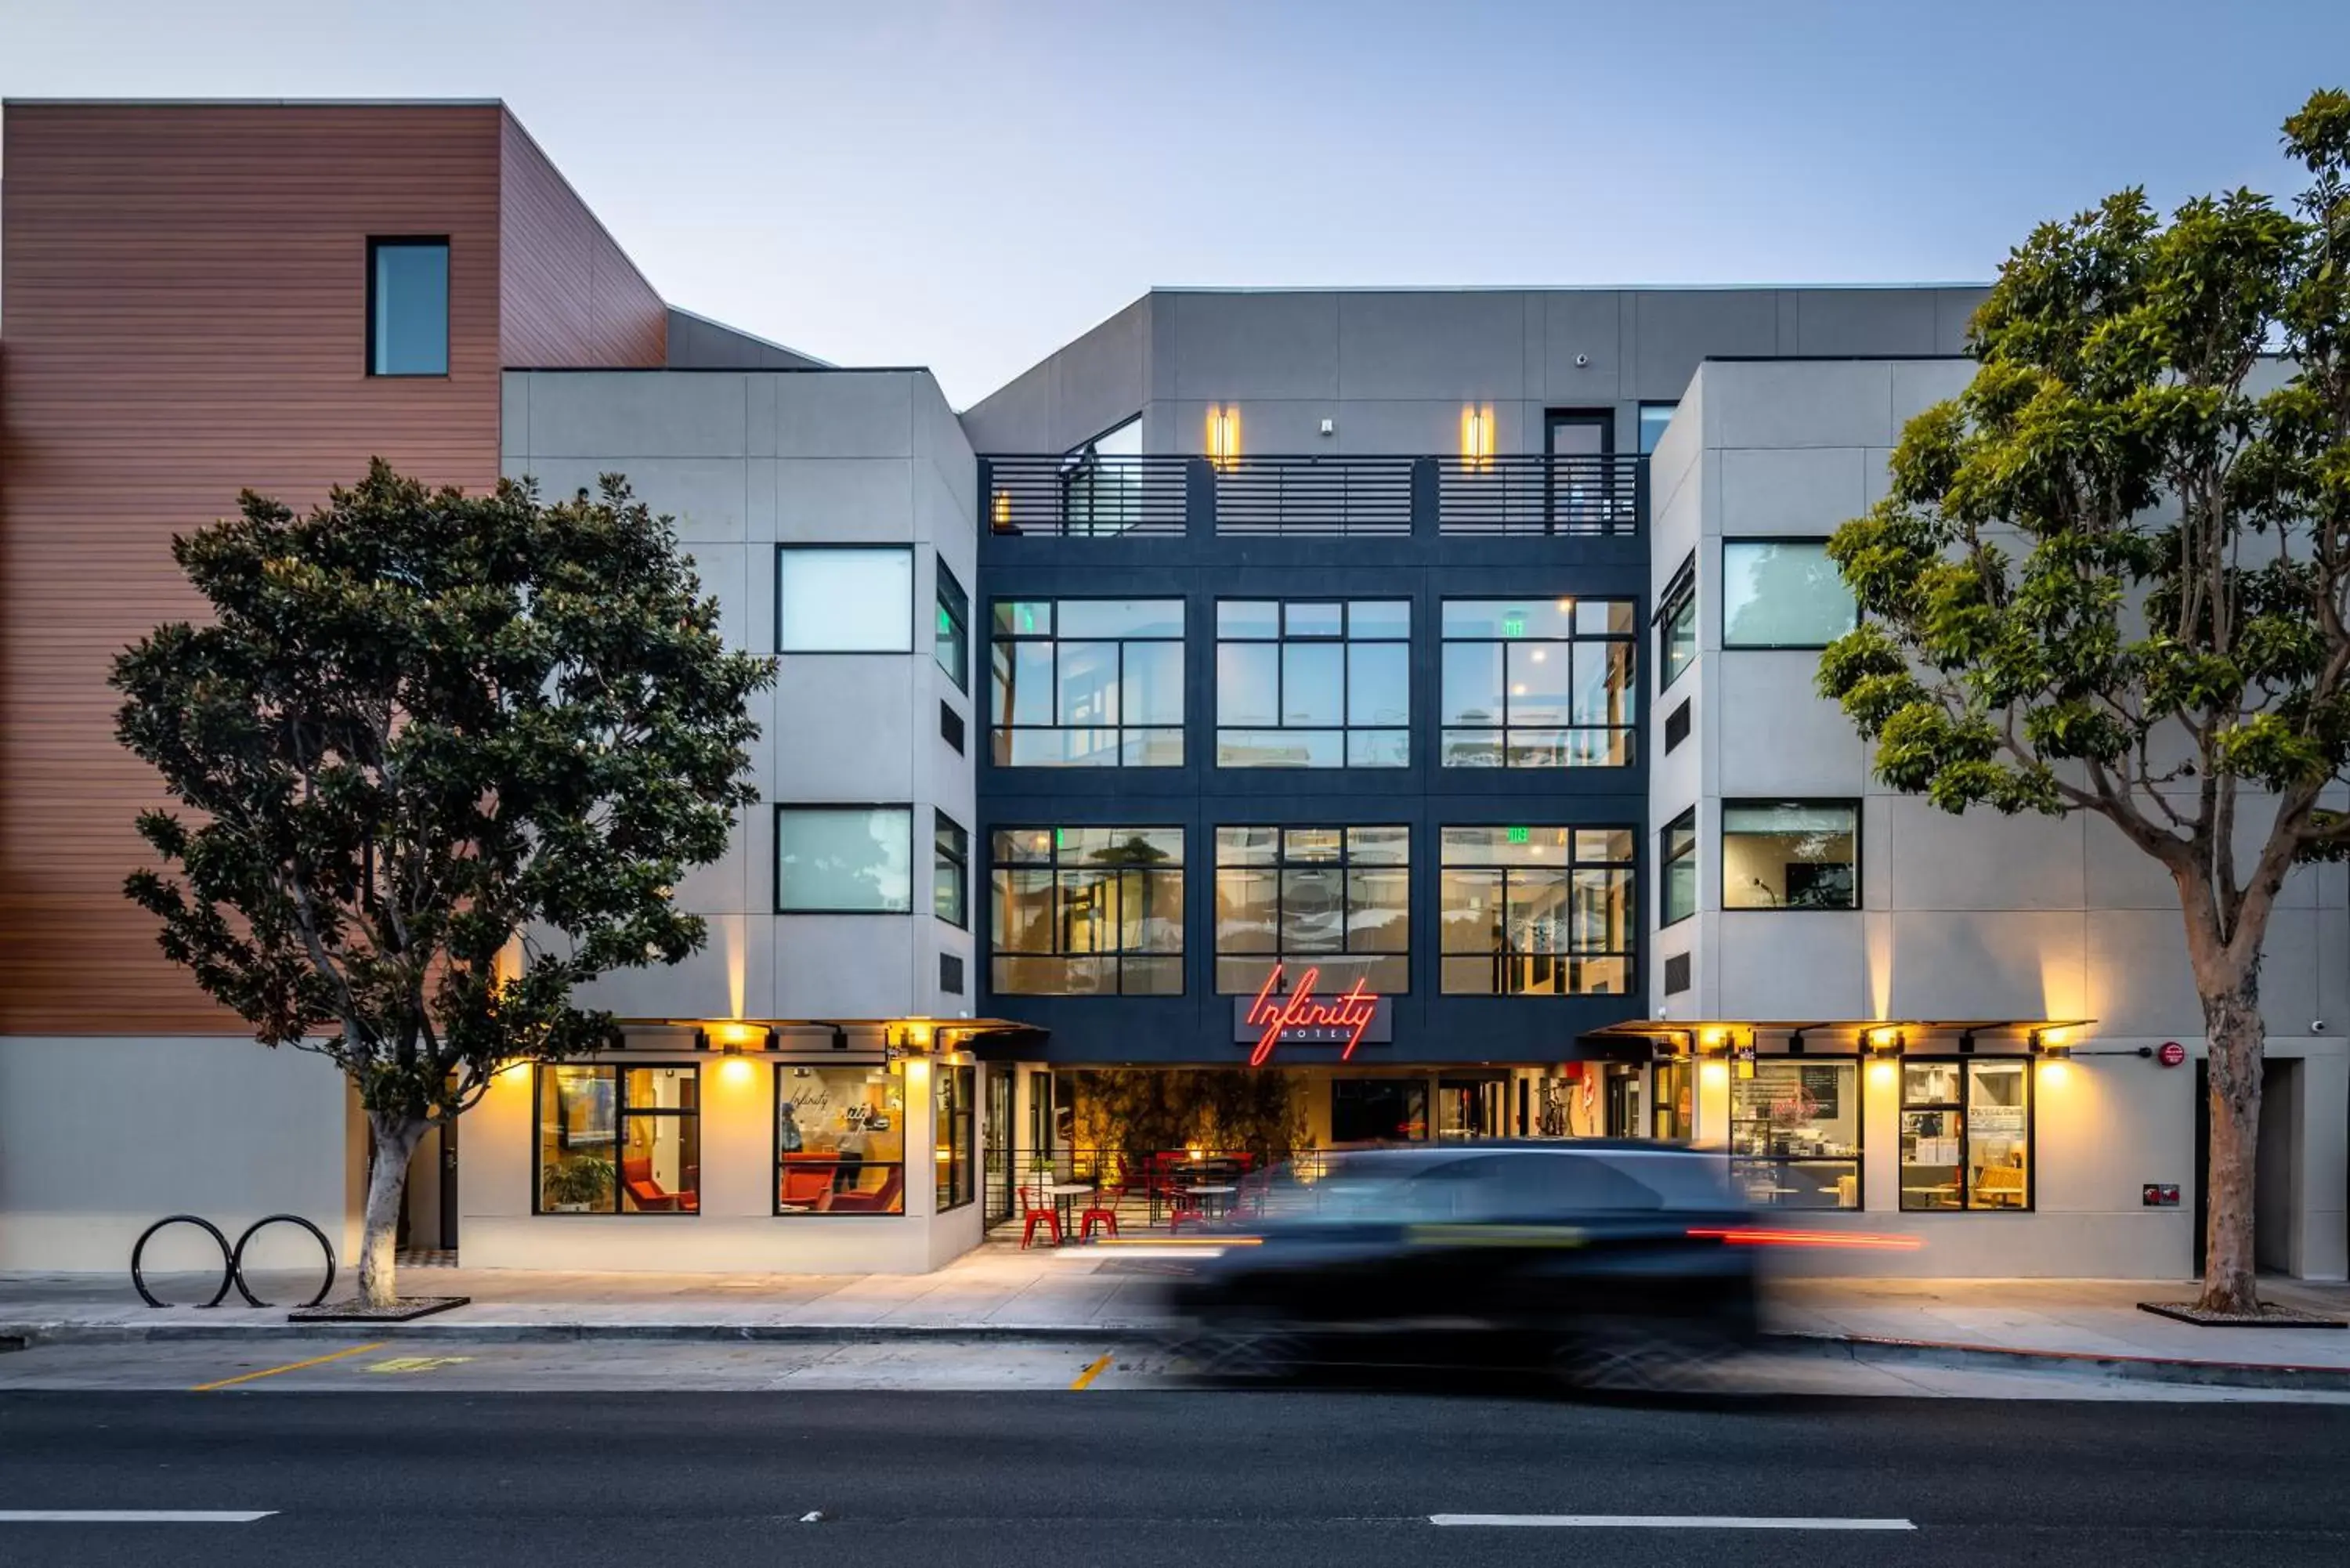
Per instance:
{"type": "Point", "coordinates": [1399, 698]}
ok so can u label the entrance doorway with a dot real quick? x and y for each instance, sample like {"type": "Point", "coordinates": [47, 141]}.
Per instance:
{"type": "Point", "coordinates": [1623, 1100]}
{"type": "Point", "coordinates": [428, 1209]}
{"type": "Point", "coordinates": [2276, 1192]}
{"type": "Point", "coordinates": [1471, 1108]}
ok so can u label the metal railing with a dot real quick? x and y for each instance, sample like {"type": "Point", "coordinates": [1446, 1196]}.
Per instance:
{"type": "Point", "coordinates": [1587, 495]}
{"type": "Point", "coordinates": [1139, 1187]}
{"type": "Point", "coordinates": [1171, 496]}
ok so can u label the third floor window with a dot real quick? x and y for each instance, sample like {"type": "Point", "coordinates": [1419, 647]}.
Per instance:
{"type": "Point", "coordinates": [1313, 684]}
{"type": "Point", "coordinates": [1088, 684]}
{"type": "Point", "coordinates": [1538, 683]}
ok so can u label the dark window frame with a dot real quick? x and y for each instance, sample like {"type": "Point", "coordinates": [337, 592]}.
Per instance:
{"type": "Point", "coordinates": [1722, 561]}
{"type": "Point", "coordinates": [808, 547]}
{"type": "Point", "coordinates": [1342, 863]}
{"type": "Point", "coordinates": [998, 748]}
{"type": "Point", "coordinates": [1668, 857]}
{"type": "Point", "coordinates": [1679, 597]}
{"type": "Point", "coordinates": [1640, 422]}
{"type": "Point", "coordinates": [781, 1074]}
{"type": "Point", "coordinates": [775, 851]}
{"type": "Point", "coordinates": [1505, 726]}
{"type": "Point", "coordinates": [953, 856]}
{"type": "Point", "coordinates": [954, 609]}
{"type": "Point", "coordinates": [1343, 639]}
{"type": "Point", "coordinates": [1858, 1161]}
{"type": "Point", "coordinates": [1722, 854]}
{"type": "Point", "coordinates": [1055, 865]}
{"type": "Point", "coordinates": [621, 1117]}
{"type": "Point", "coordinates": [1965, 1108]}
{"type": "Point", "coordinates": [958, 1172]}
{"type": "Point", "coordinates": [1507, 955]}
{"type": "Point", "coordinates": [449, 305]}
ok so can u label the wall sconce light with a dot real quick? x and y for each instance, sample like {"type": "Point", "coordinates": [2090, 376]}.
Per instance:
{"type": "Point", "coordinates": [1886, 1043]}
{"type": "Point", "coordinates": [1477, 437]}
{"type": "Point", "coordinates": [2049, 1045]}
{"type": "Point", "coordinates": [1224, 435]}
{"type": "Point", "coordinates": [999, 512]}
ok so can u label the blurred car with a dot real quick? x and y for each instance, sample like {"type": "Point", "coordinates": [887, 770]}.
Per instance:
{"type": "Point", "coordinates": [1602, 1262]}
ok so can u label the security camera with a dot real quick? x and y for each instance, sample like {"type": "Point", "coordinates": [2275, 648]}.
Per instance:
{"type": "Point", "coordinates": [1582, 361]}
{"type": "Point", "coordinates": [2317, 1026]}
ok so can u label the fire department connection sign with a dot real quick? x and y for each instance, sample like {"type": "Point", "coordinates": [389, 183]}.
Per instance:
{"type": "Point", "coordinates": [1303, 1017]}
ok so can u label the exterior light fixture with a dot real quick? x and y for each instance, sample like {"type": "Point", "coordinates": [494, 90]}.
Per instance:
{"type": "Point", "coordinates": [2049, 1045]}
{"type": "Point", "coordinates": [1477, 437]}
{"type": "Point", "coordinates": [1795, 1044]}
{"type": "Point", "coordinates": [1967, 1043]}
{"type": "Point", "coordinates": [999, 512]}
{"type": "Point", "coordinates": [1224, 435]}
{"type": "Point", "coordinates": [839, 1038]}
{"type": "Point", "coordinates": [1886, 1043]}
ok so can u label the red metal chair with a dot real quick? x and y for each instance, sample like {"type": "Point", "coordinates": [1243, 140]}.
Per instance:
{"type": "Point", "coordinates": [1183, 1207]}
{"type": "Point", "coordinates": [1102, 1211]}
{"type": "Point", "coordinates": [1035, 1212]}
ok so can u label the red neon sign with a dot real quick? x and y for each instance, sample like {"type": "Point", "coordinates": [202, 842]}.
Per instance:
{"type": "Point", "coordinates": [1351, 1011]}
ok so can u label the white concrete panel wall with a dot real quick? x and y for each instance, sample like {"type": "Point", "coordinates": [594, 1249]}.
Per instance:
{"type": "Point", "coordinates": [1973, 917]}
{"type": "Point", "coordinates": [748, 461]}
{"type": "Point", "coordinates": [100, 1136]}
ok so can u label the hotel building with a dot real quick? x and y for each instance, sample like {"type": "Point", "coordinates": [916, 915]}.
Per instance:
{"type": "Point", "coordinates": [1389, 714]}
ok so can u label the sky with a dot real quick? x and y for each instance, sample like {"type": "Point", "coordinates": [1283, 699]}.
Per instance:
{"type": "Point", "coordinates": [967, 184]}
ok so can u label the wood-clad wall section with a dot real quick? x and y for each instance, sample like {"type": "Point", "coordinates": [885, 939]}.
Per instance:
{"type": "Point", "coordinates": [184, 316]}
{"type": "Point", "coordinates": [572, 299]}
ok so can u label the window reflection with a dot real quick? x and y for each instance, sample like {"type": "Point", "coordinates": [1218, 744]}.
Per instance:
{"type": "Point", "coordinates": [1085, 911]}
{"type": "Point", "coordinates": [1335, 899]}
{"type": "Point", "coordinates": [840, 1140]}
{"type": "Point", "coordinates": [1537, 683]}
{"type": "Point", "coordinates": [1535, 911]}
{"type": "Point", "coordinates": [1088, 684]}
{"type": "Point", "coordinates": [1313, 684]}
{"type": "Point", "coordinates": [1791, 854]}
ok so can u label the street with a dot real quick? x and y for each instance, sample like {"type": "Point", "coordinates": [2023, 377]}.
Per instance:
{"type": "Point", "coordinates": [374, 1459]}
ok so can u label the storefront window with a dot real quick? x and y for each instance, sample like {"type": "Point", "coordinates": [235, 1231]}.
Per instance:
{"type": "Point", "coordinates": [1535, 911]}
{"type": "Point", "coordinates": [953, 1106]}
{"type": "Point", "coordinates": [1794, 1134]}
{"type": "Point", "coordinates": [1537, 683]}
{"type": "Point", "coordinates": [1088, 684]}
{"type": "Point", "coordinates": [618, 1140]}
{"type": "Point", "coordinates": [1334, 900]}
{"type": "Point", "coordinates": [1312, 685]}
{"type": "Point", "coordinates": [1966, 1135]}
{"type": "Point", "coordinates": [1379, 1110]}
{"type": "Point", "coordinates": [1088, 911]}
{"type": "Point", "coordinates": [840, 1140]}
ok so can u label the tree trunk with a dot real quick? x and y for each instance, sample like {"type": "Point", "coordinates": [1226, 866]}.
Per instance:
{"type": "Point", "coordinates": [2233, 1029]}
{"type": "Point", "coordinates": [396, 1137]}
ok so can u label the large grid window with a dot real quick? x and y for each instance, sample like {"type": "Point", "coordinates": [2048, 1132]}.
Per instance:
{"type": "Point", "coordinates": [1313, 684]}
{"type": "Point", "coordinates": [1537, 683]}
{"type": "Point", "coordinates": [1535, 911]}
{"type": "Point", "coordinates": [1088, 684]}
{"type": "Point", "coordinates": [1677, 863]}
{"type": "Point", "coordinates": [1335, 899]}
{"type": "Point", "coordinates": [840, 1140]}
{"type": "Point", "coordinates": [1794, 1134]}
{"type": "Point", "coordinates": [1966, 1134]}
{"type": "Point", "coordinates": [618, 1140]}
{"type": "Point", "coordinates": [1088, 911]}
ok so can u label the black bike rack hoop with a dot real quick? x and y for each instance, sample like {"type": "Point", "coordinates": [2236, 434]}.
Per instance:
{"type": "Point", "coordinates": [228, 1258]}
{"type": "Point", "coordinates": [236, 1258]}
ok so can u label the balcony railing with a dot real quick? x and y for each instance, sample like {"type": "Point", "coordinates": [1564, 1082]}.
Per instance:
{"type": "Point", "coordinates": [1172, 496]}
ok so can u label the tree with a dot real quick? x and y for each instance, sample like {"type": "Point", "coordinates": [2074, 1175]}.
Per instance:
{"type": "Point", "coordinates": [2113, 576]}
{"type": "Point", "coordinates": [425, 735]}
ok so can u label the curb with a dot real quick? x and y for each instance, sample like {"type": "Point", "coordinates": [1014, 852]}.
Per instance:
{"type": "Point", "coordinates": [1855, 1347]}
{"type": "Point", "coordinates": [2135, 1368]}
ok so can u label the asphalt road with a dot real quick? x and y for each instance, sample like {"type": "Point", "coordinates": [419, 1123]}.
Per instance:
{"type": "Point", "coordinates": [1138, 1479]}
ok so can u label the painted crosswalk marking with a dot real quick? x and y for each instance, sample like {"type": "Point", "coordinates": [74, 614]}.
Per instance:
{"type": "Point", "coordinates": [132, 1515]}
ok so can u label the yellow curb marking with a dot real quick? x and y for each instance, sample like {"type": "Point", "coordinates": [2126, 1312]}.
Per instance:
{"type": "Point", "coordinates": [417, 1362]}
{"type": "Point", "coordinates": [289, 1367]}
{"type": "Point", "coordinates": [1090, 1372]}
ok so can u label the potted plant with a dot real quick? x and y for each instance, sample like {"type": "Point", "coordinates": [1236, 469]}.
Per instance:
{"type": "Point", "coordinates": [577, 1184]}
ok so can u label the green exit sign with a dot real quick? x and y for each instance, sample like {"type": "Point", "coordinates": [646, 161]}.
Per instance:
{"type": "Point", "coordinates": [1520, 835]}
{"type": "Point", "coordinates": [1513, 626]}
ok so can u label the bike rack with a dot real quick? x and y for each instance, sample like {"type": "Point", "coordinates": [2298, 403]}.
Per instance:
{"type": "Point", "coordinates": [232, 1258]}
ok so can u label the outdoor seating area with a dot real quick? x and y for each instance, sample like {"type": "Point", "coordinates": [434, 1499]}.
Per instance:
{"type": "Point", "coordinates": [1079, 1195]}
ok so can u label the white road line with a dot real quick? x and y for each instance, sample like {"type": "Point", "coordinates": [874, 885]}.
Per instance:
{"type": "Point", "coordinates": [1661, 1521]}
{"type": "Point", "coordinates": [130, 1516]}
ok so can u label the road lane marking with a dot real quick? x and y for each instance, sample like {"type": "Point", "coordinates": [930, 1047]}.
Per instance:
{"type": "Point", "coordinates": [1659, 1522]}
{"type": "Point", "coordinates": [417, 1362]}
{"type": "Point", "coordinates": [130, 1516]}
{"type": "Point", "coordinates": [289, 1367]}
{"type": "Point", "coordinates": [1090, 1372]}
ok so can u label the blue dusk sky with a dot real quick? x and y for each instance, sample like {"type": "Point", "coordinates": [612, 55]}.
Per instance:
{"type": "Point", "coordinates": [968, 183]}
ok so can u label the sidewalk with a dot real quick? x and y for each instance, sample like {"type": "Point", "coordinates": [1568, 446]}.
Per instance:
{"type": "Point", "coordinates": [1096, 1293]}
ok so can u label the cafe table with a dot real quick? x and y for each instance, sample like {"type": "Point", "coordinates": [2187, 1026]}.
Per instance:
{"type": "Point", "coordinates": [1063, 1193]}
{"type": "Point", "coordinates": [1208, 1191]}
